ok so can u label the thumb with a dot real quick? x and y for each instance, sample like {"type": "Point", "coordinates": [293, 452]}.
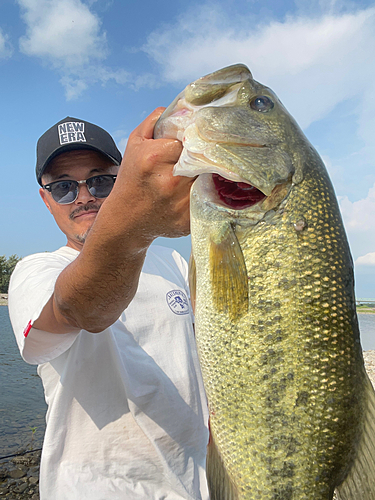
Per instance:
{"type": "Point", "coordinates": [146, 128]}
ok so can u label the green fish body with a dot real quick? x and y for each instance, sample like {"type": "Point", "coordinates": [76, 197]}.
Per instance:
{"type": "Point", "coordinates": [291, 406]}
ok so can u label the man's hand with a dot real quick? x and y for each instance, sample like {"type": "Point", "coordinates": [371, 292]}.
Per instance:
{"type": "Point", "coordinates": [151, 194]}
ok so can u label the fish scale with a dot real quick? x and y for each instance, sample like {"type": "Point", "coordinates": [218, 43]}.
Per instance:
{"type": "Point", "coordinates": [291, 407]}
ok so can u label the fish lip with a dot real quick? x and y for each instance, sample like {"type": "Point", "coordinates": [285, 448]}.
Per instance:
{"type": "Point", "coordinates": [207, 167]}
{"type": "Point", "coordinates": [239, 144]}
{"type": "Point", "coordinates": [232, 142]}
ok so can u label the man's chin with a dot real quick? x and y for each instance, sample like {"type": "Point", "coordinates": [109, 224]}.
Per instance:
{"type": "Point", "coordinates": [81, 238]}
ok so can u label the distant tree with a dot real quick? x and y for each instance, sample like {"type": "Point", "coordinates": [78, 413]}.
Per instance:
{"type": "Point", "coordinates": [6, 268]}
{"type": "Point", "coordinates": [3, 262]}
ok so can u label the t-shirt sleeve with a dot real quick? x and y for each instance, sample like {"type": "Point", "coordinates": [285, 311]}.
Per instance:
{"type": "Point", "coordinates": [31, 286]}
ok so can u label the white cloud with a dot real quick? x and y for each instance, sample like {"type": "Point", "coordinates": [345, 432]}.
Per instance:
{"type": "Point", "coordinates": [5, 46]}
{"type": "Point", "coordinates": [359, 215]}
{"type": "Point", "coordinates": [74, 87]}
{"type": "Point", "coordinates": [68, 35]}
{"type": "Point", "coordinates": [311, 63]}
{"type": "Point", "coordinates": [366, 260]}
{"type": "Point", "coordinates": [359, 220]}
{"type": "Point", "coordinates": [65, 32]}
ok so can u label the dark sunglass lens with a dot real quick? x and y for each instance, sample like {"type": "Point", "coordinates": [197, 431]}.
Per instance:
{"type": "Point", "coordinates": [64, 192]}
{"type": "Point", "coordinates": [101, 185]}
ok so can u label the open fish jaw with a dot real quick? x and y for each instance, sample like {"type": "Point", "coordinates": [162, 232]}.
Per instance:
{"type": "Point", "coordinates": [261, 166]}
{"type": "Point", "coordinates": [204, 195]}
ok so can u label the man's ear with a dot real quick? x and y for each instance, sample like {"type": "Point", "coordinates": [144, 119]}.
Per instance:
{"type": "Point", "coordinates": [43, 195]}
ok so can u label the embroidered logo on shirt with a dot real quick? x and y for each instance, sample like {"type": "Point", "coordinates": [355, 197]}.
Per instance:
{"type": "Point", "coordinates": [178, 302]}
{"type": "Point", "coordinates": [71, 132]}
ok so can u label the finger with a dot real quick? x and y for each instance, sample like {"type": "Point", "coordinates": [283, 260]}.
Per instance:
{"type": "Point", "coordinates": [146, 128]}
{"type": "Point", "coordinates": [159, 151]}
{"type": "Point", "coordinates": [169, 149]}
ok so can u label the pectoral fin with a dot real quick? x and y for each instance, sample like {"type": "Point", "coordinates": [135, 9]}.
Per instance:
{"type": "Point", "coordinates": [228, 274]}
{"type": "Point", "coordinates": [360, 482]}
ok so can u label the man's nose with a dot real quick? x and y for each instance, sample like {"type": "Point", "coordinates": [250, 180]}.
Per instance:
{"type": "Point", "coordinates": [84, 195]}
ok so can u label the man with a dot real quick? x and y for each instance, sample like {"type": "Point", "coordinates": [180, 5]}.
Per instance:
{"type": "Point", "coordinates": [108, 321]}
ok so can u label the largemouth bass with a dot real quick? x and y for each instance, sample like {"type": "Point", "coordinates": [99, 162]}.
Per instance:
{"type": "Point", "coordinates": [291, 406]}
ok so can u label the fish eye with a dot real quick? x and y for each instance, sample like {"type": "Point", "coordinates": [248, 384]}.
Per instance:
{"type": "Point", "coordinates": [261, 103]}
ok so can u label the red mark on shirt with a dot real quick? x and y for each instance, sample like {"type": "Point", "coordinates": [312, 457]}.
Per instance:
{"type": "Point", "coordinates": [27, 329]}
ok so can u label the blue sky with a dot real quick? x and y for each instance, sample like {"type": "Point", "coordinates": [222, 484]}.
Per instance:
{"type": "Point", "coordinates": [112, 62]}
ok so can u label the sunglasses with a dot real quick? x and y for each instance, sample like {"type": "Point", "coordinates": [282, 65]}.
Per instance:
{"type": "Point", "coordinates": [65, 192]}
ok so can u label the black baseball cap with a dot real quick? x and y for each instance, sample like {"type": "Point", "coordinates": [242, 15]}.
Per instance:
{"type": "Point", "coordinates": [72, 133]}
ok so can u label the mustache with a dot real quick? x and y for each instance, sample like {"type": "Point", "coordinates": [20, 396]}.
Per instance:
{"type": "Point", "coordinates": [84, 208]}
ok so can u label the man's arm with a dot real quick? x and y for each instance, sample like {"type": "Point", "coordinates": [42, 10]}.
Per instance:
{"type": "Point", "coordinates": [147, 201]}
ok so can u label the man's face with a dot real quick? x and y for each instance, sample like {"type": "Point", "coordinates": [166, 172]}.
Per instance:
{"type": "Point", "coordinates": [75, 219]}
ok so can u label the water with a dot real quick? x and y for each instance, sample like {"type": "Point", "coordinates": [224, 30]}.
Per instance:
{"type": "Point", "coordinates": [22, 405]}
{"type": "Point", "coordinates": [367, 329]}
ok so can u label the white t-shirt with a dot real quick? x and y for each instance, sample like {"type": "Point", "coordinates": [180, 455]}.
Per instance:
{"type": "Point", "coordinates": [127, 414]}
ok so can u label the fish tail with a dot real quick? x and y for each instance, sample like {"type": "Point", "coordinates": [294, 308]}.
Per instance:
{"type": "Point", "coordinates": [360, 481]}
{"type": "Point", "coordinates": [219, 483]}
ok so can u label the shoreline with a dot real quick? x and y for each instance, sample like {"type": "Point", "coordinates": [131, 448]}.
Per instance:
{"type": "Point", "coordinates": [19, 476]}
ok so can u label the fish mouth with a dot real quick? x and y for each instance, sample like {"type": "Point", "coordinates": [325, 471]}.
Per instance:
{"type": "Point", "coordinates": [236, 195]}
